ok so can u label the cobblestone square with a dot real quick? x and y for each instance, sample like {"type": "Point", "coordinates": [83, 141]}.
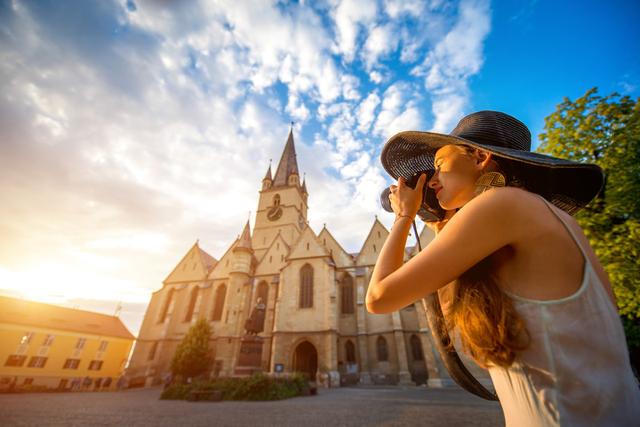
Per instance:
{"type": "Point", "coordinates": [347, 406]}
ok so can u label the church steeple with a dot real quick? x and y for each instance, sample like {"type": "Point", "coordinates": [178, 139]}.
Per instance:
{"type": "Point", "coordinates": [267, 181]}
{"type": "Point", "coordinates": [287, 172]}
{"type": "Point", "coordinates": [304, 188]}
{"type": "Point", "coordinates": [268, 174]}
{"type": "Point", "coordinates": [245, 238]}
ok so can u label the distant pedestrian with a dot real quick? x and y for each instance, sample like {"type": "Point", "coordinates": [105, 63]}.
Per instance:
{"type": "Point", "coordinates": [168, 379]}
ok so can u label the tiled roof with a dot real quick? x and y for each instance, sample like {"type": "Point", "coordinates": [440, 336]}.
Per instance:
{"type": "Point", "coordinates": [207, 259]}
{"type": "Point", "coordinates": [30, 313]}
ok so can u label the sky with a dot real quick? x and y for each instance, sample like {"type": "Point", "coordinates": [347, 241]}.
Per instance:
{"type": "Point", "coordinates": [129, 130]}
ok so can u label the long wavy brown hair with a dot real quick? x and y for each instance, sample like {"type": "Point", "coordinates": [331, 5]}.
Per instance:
{"type": "Point", "coordinates": [489, 327]}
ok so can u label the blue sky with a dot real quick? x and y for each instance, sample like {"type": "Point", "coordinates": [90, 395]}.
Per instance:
{"type": "Point", "coordinates": [130, 129]}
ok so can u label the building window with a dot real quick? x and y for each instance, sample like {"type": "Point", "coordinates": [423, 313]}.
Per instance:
{"type": "Point", "coordinates": [276, 200]}
{"type": "Point", "coordinates": [15, 360]}
{"type": "Point", "coordinates": [219, 302]}
{"type": "Point", "coordinates": [27, 381]}
{"type": "Point", "coordinates": [80, 343]}
{"type": "Point", "coordinates": [416, 348]}
{"type": "Point", "coordinates": [37, 362]}
{"type": "Point", "coordinates": [48, 340]}
{"type": "Point", "coordinates": [103, 345]}
{"type": "Point", "coordinates": [71, 364]}
{"type": "Point", "coordinates": [95, 365]}
{"type": "Point", "coordinates": [165, 309]}
{"type": "Point", "coordinates": [306, 286]}
{"type": "Point", "coordinates": [26, 338]}
{"type": "Point", "coordinates": [192, 304]}
{"type": "Point", "coordinates": [381, 346]}
{"type": "Point", "coordinates": [263, 292]}
{"type": "Point", "coordinates": [346, 299]}
{"type": "Point", "coordinates": [152, 350]}
{"type": "Point", "coordinates": [351, 352]}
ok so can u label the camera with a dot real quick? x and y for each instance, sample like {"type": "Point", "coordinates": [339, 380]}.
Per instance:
{"type": "Point", "coordinates": [430, 209]}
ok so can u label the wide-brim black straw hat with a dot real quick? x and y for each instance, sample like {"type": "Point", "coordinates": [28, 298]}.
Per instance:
{"type": "Point", "coordinates": [567, 184]}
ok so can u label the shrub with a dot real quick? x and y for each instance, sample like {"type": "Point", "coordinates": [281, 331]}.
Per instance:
{"type": "Point", "coordinates": [256, 387]}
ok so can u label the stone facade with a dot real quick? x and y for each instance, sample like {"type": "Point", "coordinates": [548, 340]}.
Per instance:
{"type": "Point", "coordinates": [315, 321]}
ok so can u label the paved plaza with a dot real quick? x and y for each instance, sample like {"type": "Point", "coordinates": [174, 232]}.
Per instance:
{"type": "Point", "coordinates": [347, 406]}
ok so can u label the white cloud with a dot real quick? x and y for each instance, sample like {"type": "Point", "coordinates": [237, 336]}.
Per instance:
{"type": "Point", "coordinates": [396, 8]}
{"type": "Point", "coordinates": [376, 76]}
{"type": "Point", "coordinates": [349, 16]}
{"type": "Point", "coordinates": [382, 40]}
{"type": "Point", "coordinates": [366, 112]}
{"type": "Point", "coordinates": [399, 111]}
{"type": "Point", "coordinates": [297, 108]}
{"type": "Point", "coordinates": [453, 60]}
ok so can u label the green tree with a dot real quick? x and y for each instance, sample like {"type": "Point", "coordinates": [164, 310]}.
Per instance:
{"type": "Point", "coordinates": [606, 131]}
{"type": "Point", "coordinates": [193, 357]}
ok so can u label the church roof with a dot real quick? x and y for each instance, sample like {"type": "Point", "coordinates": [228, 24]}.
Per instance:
{"type": "Point", "coordinates": [288, 163]}
{"type": "Point", "coordinates": [245, 237]}
{"type": "Point", "coordinates": [36, 314]}
{"type": "Point", "coordinates": [202, 268]}
{"type": "Point", "coordinates": [207, 259]}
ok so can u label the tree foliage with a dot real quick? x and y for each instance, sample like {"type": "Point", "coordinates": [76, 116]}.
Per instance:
{"type": "Point", "coordinates": [193, 357]}
{"type": "Point", "coordinates": [606, 131]}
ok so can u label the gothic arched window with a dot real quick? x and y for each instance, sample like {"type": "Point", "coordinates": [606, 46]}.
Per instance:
{"type": "Point", "coordinates": [219, 302]}
{"type": "Point", "coordinates": [351, 352]}
{"type": "Point", "coordinates": [346, 297]}
{"type": "Point", "coordinates": [167, 304]}
{"type": "Point", "coordinates": [192, 304]}
{"type": "Point", "coordinates": [306, 286]}
{"type": "Point", "coordinates": [152, 351]}
{"type": "Point", "coordinates": [381, 346]}
{"type": "Point", "coordinates": [276, 200]}
{"type": "Point", "coordinates": [416, 348]}
{"type": "Point", "coordinates": [263, 292]}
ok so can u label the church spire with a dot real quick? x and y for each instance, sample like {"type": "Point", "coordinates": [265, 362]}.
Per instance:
{"type": "Point", "coordinates": [288, 164]}
{"type": "Point", "coordinates": [268, 174]}
{"type": "Point", "coordinates": [245, 238]}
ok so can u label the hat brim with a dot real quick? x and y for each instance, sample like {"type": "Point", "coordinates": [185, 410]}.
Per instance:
{"type": "Point", "coordinates": [567, 184]}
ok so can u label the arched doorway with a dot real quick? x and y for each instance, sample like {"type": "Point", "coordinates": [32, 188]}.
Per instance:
{"type": "Point", "coordinates": [305, 360]}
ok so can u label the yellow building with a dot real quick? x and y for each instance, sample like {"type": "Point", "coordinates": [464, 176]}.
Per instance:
{"type": "Point", "coordinates": [47, 346]}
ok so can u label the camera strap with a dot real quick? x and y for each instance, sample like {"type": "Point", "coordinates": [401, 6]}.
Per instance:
{"type": "Point", "coordinates": [448, 354]}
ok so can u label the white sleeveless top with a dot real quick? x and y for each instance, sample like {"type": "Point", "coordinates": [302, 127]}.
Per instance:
{"type": "Point", "coordinates": [576, 371]}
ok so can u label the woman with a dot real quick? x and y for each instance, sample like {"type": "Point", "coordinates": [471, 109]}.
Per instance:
{"type": "Point", "coordinates": [527, 295]}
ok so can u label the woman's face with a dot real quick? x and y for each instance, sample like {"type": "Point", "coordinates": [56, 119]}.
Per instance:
{"type": "Point", "coordinates": [456, 173]}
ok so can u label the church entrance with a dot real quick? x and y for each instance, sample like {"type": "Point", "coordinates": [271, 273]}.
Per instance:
{"type": "Point", "coordinates": [305, 360]}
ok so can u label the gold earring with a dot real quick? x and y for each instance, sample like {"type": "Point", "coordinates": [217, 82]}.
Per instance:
{"type": "Point", "coordinates": [489, 180]}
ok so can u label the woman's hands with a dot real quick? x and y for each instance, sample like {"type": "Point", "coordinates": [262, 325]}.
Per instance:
{"type": "Point", "coordinates": [406, 201]}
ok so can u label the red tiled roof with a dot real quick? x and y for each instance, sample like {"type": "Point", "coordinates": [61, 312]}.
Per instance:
{"type": "Point", "coordinates": [31, 313]}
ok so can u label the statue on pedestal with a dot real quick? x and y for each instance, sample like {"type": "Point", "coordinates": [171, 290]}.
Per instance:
{"type": "Point", "coordinates": [255, 323]}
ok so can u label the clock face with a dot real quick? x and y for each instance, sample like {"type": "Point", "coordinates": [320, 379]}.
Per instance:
{"type": "Point", "coordinates": [274, 213]}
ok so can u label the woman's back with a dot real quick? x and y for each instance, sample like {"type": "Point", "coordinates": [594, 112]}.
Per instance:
{"type": "Point", "coordinates": [576, 370]}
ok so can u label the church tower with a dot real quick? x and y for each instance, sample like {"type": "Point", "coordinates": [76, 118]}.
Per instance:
{"type": "Point", "coordinates": [282, 205]}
